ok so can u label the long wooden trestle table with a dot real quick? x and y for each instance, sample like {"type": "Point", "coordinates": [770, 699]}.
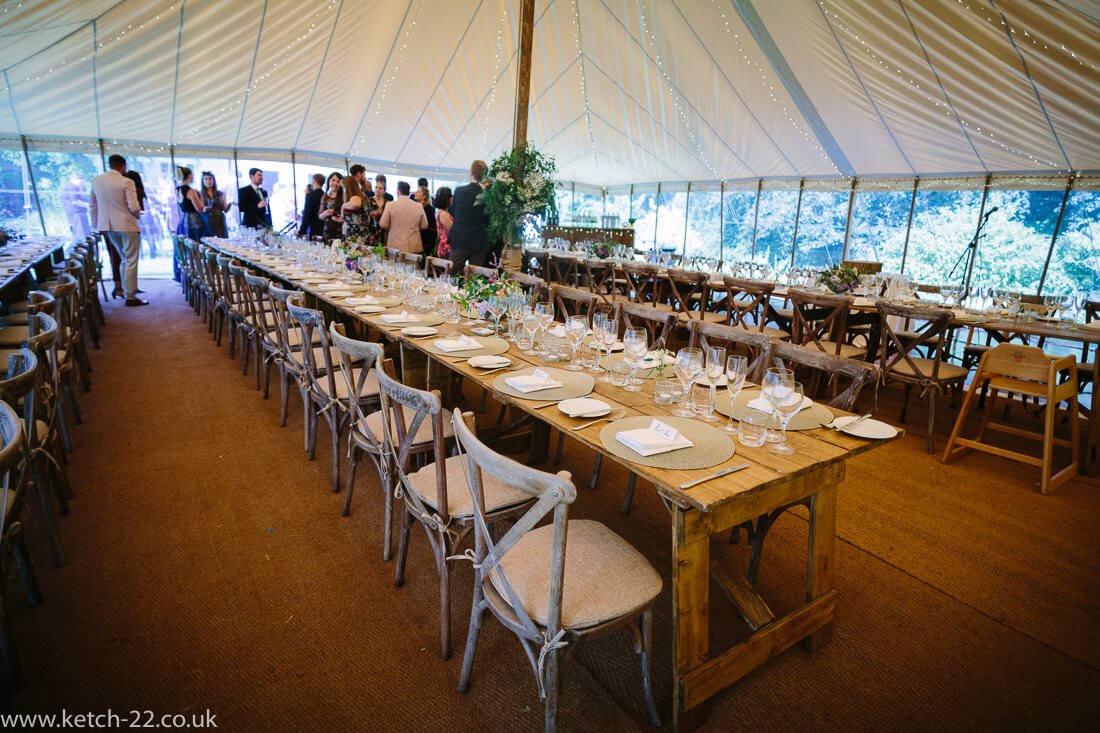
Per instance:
{"type": "Point", "coordinates": [701, 517]}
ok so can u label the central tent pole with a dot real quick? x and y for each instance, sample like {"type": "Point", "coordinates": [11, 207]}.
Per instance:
{"type": "Point", "coordinates": [523, 75]}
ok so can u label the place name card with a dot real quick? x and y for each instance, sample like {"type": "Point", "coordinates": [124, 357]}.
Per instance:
{"type": "Point", "coordinates": [666, 431]}
{"type": "Point", "coordinates": [539, 375]}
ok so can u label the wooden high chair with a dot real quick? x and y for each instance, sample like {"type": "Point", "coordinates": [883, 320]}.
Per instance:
{"type": "Point", "coordinates": [1028, 371]}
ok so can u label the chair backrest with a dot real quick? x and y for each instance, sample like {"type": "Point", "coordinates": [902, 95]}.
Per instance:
{"type": "Point", "coordinates": [412, 258]}
{"type": "Point", "coordinates": [830, 368]}
{"type": "Point", "coordinates": [574, 302]}
{"type": "Point", "coordinates": [489, 272]}
{"type": "Point", "coordinates": [532, 284]}
{"type": "Point", "coordinates": [64, 292]}
{"type": "Point", "coordinates": [601, 274]}
{"type": "Point", "coordinates": [405, 409]}
{"type": "Point", "coordinates": [12, 453]}
{"type": "Point", "coordinates": [927, 329]}
{"type": "Point", "coordinates": [368, 355]}
{"type": "Point", "coordinates": [657, 323]}
{"type": "Point", "coordinates": [312, 322]}
{"type": "Point", "coordinates": [748, 301]}
{"type": "Point", "coordinates": [256, 288]}
{"type": "Point", "coordinates": [280, 299]}
{"type": "Point", "coordinates": [436, 266]}
{"type": "Point", "coordinates": [19, 385]}
{"type": "Point", "coordinates": [756, 347]}
{"type": "Point", "coordinates": [550, 492]}
{"type": "Point", "coordinates": [687, 291]}
{"type": "Point", "coordinates": [39, 301]}
{"type": "Point", "coordinates": [564, 268]}
{"type": "Point", "coordinates": [1017, 361]}
{"type": "Point", "coordinates": [641, 280]}
{"type": "Point", "coordinates": [818, 318]}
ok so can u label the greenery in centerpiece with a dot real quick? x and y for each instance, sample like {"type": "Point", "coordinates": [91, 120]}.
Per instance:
{"type": "Point", "coordinates": [600, 250]}
{"type": "Point", "coordinates": [7, 235]}
{"type": "Point", "coordinates": [839, 279]}
{"type": "Point", "coordinates": [477, 289]}
{"type": "Point", "coordinates": [520, 182]}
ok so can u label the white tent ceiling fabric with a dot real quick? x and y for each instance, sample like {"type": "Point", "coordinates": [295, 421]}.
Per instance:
{"type": "Point", "coordinates": [622, 91]}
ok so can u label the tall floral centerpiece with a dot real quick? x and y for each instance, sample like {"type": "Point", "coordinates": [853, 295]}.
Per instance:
{"type": "Point", "coordinates": [520, 183]}
{"type": "Point", "coordinates": [839, 279]}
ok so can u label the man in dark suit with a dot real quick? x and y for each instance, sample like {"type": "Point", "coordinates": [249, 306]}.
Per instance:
{"type": "Point", "coordinates": [469, 243]}
{"type": "Point", "coordinates": [311, 225]}
{"type": "Point", "coordinates": [253, 202]}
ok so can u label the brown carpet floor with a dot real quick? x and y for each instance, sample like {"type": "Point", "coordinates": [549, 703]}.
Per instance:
{"type": "Point", "coordinates": [209, 569]}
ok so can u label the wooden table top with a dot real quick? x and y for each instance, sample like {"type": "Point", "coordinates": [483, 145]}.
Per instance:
{"type": "Point", "coordinates": [19, 256]}
{"type": "Point", "coordinates": [815, 448]}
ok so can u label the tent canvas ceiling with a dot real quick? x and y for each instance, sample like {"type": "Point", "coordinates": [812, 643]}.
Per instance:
{"type": "Point", "coordinates": [622, 91]}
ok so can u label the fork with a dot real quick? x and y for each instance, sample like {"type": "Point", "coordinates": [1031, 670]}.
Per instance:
{"type": "Point", "coordinates": [611, 418]}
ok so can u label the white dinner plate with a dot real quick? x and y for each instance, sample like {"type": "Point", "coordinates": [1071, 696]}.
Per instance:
{"type": "Point", "coordinates": [369, 309]}
{"type": "Point", "coordinates": [488, 362]}
{"type": "Point", "coordinates": [869, 428]}
{"type": "Point", "coordinates": [584, 407]}
{"type": "Point", "coordinates": [419, 331]}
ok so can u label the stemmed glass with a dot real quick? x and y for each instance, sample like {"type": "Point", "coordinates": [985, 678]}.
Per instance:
{"type": "Point", "coordinates": [497, 308]}
{"type": "Point", "coordinates": [774, 378]}
{"type": "Point", "coordinates": [530, 326]}
{"type": "Point", "coordinates": [598, 322]}
{"type": "Point", "coordinates": [608, 335]}
{"type": "Point", "coordinates": [737, 368]}
{"type": "Point", "coordinates": [785, 399]}
{"type": "Point", "coordinates": [545, 314]}
{"type": "Point", "coordinates": [713, 371]}
{"type": "Point", "coordinates": [1063, 303]}
{"type": "Point", "coordinates": [635, 344]}
{"type": "Point", "coordinates": [576, 328]}
{"type": "Point", "coordinates": [689, 364]}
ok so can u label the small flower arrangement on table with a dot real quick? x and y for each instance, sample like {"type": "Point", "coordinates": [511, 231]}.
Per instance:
{"type": "Point", "coordinates": [356, 248]}
{"type": "Point", "coordinates": [476, 290]}
{"type": "Point", "coordinates": [839, 279]}
{"type": "Point", "coordinates": [600, 250]}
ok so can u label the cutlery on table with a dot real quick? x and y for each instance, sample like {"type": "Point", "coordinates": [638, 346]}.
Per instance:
{"type": "Point", "coordinates": [490, 371]}
{"type": "Point", "coordinates": [847, 425]}
{"type": "Point", "coordinates": [610, 418]}
{"type": "Point", "coordinates": [716, 474]}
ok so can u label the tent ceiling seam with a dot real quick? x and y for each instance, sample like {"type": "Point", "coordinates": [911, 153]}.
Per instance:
{"type": "Point", "coordinates": [503, 71]}
{"type": "Point", "coordinates": [787, 77]}
{"type": "Point", "coordinates": [736, 93]}
{"type": "Point", "coordinates": [43, 29]}
{"type": "Point", "coordinates": [95, 80]}
{"type": "Point", "coordinates": [251, 74]}
{"type": "Point", "coordinates": [439, 81]}
{"type": "Point", "coordinates": [1031, 80]}
{"type": "Point", "coordinates": [866, 91]}
{"type": "Point", "coordinates": [176, 78]}
{"type": "Point", "coordinates": [1067, 6]}
{"type": "Point", "coordinates": [939, 82]}
{"type": "Point", "coordinates": [65, 37]}
{"type": "Point", "coordinates": [378, 81]}
{"type": "Point", "coordinates": [320, 70]}
{"type": "Point", "coordinates": [721, 138]}
{"type": "Point", "coordinates": [11, 103]}
{"type": "Point", "coordinates": [584, 89]}
{"type": "Point", "coordinates": [644, 149]}
{"type": "Point", "coordinates": [557, 78]}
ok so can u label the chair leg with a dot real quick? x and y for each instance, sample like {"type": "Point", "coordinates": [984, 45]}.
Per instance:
{"type": "Point", "coordinates": [9, 656]}
{"type": "Point", "coordinates": [47, 516]}
{"type": "Point", "coordinates": [407, 520]}
{"type": "Point", "coordinates": [349, 480]}
{"type": "Point", "coordinates": [333, 420]}
{"type": "Point", "coordinates": [1047, 466]}
{"type": "Point", "coordinates": [630, 484]}
{"type": "Point", "coordinates": [477, 613]}
{"type": "Point", "coordinates": [23, 560]}
{"type": "Point", "coordinates": [595, 472]}
{"type": "Point", "coordinates": [552, 689]}
{"type": "Point", "coordinates": [561, 444]}
{"type": "Point", "coordinates": [284, 395]}
{"type": "Point", "coordinates": [646, 623]}
{"type": "Point", "coordinates": [905, 403]}
{"type": "Point", "coordinates": [441, 552]}
{"type": "Point", "coordinates": [387, 512]}
{"type": "Point", "coordinates": [312, 432]}
{"type": "Point", "coordinates": [932, 421]}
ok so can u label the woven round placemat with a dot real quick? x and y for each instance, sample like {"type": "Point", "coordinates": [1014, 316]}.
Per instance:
{"type": "Point", "coordinates": [809, 419]}
{"type": "Point", "coordinates": [573, 384]}
{"type": "Point", "coordinates": [491, 346]}
{"type": "Point", "coordinates": [386, 301]}
{"type": "Point", "coordinates": [423, 319]}
{"type": "Point", "coordinates": [711, 448]}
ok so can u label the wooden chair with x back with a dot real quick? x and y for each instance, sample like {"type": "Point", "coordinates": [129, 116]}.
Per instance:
{"type": "Point", "coordinates": [820, 321]}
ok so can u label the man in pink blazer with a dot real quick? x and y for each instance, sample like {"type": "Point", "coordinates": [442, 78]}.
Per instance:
{"type": "Point", "coordinates": [404, 218]}
{"type": "Point", "coordinates": [115, 211]}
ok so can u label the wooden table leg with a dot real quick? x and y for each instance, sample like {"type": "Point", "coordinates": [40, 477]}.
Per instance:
{"type": "Point", "coordinates": [1090, 462]}
{"type": "Point", "coordinates": [821, 557]}
{"type": "Point", "coordinates": [540, 443]}
{"type": "Point", "coordinates": [690, 615]}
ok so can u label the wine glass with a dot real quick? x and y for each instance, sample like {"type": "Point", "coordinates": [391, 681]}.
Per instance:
{"type": "Point", "coordinates": [635, 344]}
{"type": "Point", "coordinates": [576, 328]}
{"type": "Point", "coordinates": [773, 378]}
{"type": "Point", "coordinates": [496, 311]}
{"type": "Point", "coordinates": [530, 326]}
{"type": "Point", "coordinates": [785, 399]}
{"type": "Point", "coordinates": [689, 363]}
{"type": "Point", "coordinates": [713, 370]}
{"type": "Point", "coordinates": [608, 335]}
{"type": "Point", "coordinates": [737, 368]}
{"type": "Point", "coordinates": [598, 321]}
{"type": "Point", "coordinates": [545, 313]}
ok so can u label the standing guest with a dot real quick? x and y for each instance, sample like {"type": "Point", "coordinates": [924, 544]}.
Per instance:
{"type": "Point", "coordinates": [422, 182]}
{"type": "Point", "coordinates": [329, 209]}
{"type": "Point", "coordinates": [115, 210]}
{"type": "Point", "coordinates": [146, 221]}
{"type": "Point", "coordinates": [428, 237]}
{"type": "Point", "coordinates": [214, 207]}
{"type": "Point", "coordinates": [311, 225]}
{"type": "Point", "coordinates": [253, 202]}
{"type": "Point", "coordinates": [74, 199]}
{"type": "Point", "coordinates": [403, 219]}
{"type": "Point", "coordinates": [190, 204]}
{"type": "Point", "coordinates": [443, 221]}
{"type": "Point", "coordinates": [354, 211]}
{"type": "Point", "coordinates": [380, 180]}
{"type": "Point", "coordinates": [468, 240]}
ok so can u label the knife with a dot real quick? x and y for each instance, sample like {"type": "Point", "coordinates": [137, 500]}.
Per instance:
{"type": "Point", "coordinates": [847, 425]}
{"type": "Point", "coordinates": [716, 474]}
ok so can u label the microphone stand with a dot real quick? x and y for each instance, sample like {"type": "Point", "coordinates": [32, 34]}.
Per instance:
{"type": "Point", "coordinates": [970, 252]}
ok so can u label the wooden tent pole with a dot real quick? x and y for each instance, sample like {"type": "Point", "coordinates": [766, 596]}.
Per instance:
{"type": "Point", "coordinates": [523, 77]}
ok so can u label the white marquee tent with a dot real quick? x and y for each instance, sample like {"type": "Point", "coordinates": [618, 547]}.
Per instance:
{"type": "Point", "coordinates": [623, 91]}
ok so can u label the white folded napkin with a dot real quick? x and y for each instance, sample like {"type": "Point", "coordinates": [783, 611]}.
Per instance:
{"type": "Point", "coordinates": [367, 300]}
{"type": "Point", "coordinates": [338, 293]}
{"type": "Point", "coordinates": [402, 317]}
{"type": "Point", "coordinates": [650, 360]}
{"type": "Point", "coordinates": [462, 343]}
{"type": "Point", "coordinates": [558, 330]}
{"type": "Point", "coordinates": [535, 382]}
{"type": "Point", "coordinates": [761, 403]}
{"type": "Point", "coordinates": [332, 286]}
{"type": "Point", "coordinates": [653, 440]}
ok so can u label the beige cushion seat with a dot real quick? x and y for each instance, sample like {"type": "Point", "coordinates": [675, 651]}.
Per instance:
{"type": "Point", "coordinates": [423, 435]}
{"type": "Point", "coordinates": [708, 317]}
{"type": "Point", "coordinates": [498, 495]}
{"type": "Point", "coordinates": [319, 358]}
{"type": "Point", "coordinates": [370, 385]}
{"type": "Point", "coordinates": [605, 577]}
{"type": "Point", "coordinates": [848, 351]}
{"type": "Point", "coordinates": [947, 371]}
